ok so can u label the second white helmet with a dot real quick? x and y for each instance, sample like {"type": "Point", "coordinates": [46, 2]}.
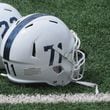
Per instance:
{"type": "Point", "coordinates": [8, 15]}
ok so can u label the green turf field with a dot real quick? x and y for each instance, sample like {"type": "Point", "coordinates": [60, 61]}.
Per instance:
{"type": "Point", "coordinates": [90, 19]}
{"type": "Point", "coordinates": [60, 106]}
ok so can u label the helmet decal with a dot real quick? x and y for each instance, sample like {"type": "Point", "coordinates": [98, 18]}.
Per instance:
{"type": "Point", "coordinates": [5, 23]}
{"type": "Point", "coordinates": [52, 54]}
{"type": "Point", "coordinates": [8, 16]}
{"type": "Point", "coordinates": [15, 31]}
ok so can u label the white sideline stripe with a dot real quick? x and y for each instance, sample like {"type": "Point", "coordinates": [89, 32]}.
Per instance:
{"type": "Point", "coordinates": [52, 98]}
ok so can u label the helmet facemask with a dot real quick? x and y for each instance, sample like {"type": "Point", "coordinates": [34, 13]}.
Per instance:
{"type": "Point", "coordinates": [79, 65]}
{"type": "Point", "coordinates": [78, 59]}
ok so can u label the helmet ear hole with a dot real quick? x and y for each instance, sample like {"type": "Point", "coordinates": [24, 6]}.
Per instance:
{"type": "Point", "coordinates": [57, 69]}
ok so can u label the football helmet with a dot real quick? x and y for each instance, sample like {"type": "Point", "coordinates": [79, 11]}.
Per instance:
{"type": "Point", "coordinates": [8, 15]}
{"type": "Point", "coordinates": [40, 48]}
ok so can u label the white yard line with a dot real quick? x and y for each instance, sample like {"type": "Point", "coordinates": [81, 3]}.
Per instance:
{"type": "Point", "coordinates": [52, 98]}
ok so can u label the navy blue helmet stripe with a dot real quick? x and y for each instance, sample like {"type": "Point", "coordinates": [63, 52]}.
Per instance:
{"type": "Point", "coordinates": [14, 33]}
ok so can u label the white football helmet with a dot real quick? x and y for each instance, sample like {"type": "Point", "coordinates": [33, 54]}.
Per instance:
{"type": "Point", "coordinates": [8, 15]}
{"type": "Point", "coordinates": [40, 48]}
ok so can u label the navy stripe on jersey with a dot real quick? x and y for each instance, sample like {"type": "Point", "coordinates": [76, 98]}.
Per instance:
{"type": "Point", "coordinates": [14, 33]}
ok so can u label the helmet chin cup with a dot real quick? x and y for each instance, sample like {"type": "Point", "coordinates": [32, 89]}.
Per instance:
{"type": "Point", "coordinates": [79, 66]}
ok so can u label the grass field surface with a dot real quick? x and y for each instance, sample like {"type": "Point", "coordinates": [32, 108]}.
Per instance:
{"type": "Point", "coordinates": [90, 19]}
{"type": "Point", "coordinates": [59, 106]}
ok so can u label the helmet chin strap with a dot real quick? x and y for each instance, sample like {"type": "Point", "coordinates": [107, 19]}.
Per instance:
{"type": "Point", "coordinates": [89, 84]}
{"type": "Point", "coordinates": [3, 74]}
